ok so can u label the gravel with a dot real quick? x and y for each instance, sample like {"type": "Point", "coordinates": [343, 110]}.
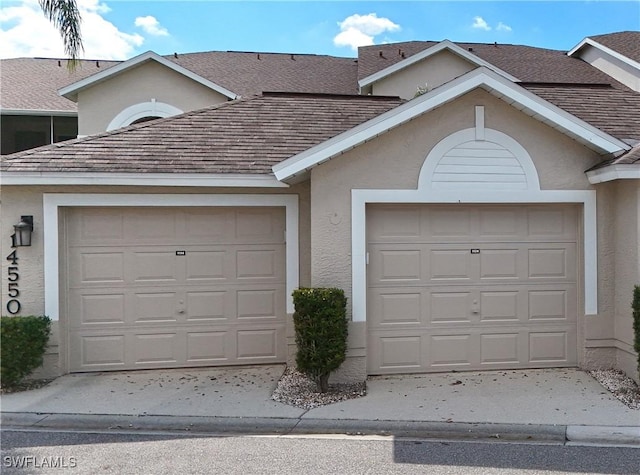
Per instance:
{"type": "Point", "coordinates": [295, 389]}
{"type": "Point", "coordinates": [620, 385]}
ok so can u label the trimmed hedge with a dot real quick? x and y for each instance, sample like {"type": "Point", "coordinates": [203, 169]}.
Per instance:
{"type": "Point", "coordinates": [23, 341]}
{"type": "Point", "coordinates": [636, 322]}
{"type": "Point", "coordinates": [321, 326]}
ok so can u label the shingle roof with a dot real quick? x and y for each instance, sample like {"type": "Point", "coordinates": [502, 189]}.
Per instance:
{"type": "Point", "coordinates": [33, 83]}
{"type": "Point", "coordinates": [253, 73]}
{"type": "Point", "coordinates": [626, 43]}
{"type": "Point", "coordinates": [614, 110]}
{"type": "Point", "coordinates": [242, 136]}
{"type": "Point", "coordinates": [527, 63]}
{"type": "Point", "coordinates": [632, 157]}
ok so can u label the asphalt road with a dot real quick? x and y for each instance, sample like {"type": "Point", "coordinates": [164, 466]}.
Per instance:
{"type": "Point", "coordinates": [112, 453]}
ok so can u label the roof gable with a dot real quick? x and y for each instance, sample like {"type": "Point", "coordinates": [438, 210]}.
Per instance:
{"type": "Point", "coordinates": [71, 91]}
{"type": "Point", "coordinates": [297, 166]}
{"type": "Point", "coordinates": [629, 55]}
{"type": "Point", "coordinates": [445, 45]}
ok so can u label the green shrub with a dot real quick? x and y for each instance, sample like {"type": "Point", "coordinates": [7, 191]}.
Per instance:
{"type": "Point", "coordinates": [636, 322]}
{"type": "Point", "coordinates": [321, 325]}
{"type": "Point", "coordinates": [23, 341]}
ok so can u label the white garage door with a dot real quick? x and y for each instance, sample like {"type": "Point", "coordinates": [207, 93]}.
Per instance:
{"type": "Point", "coordinates": [456, 287]}
{"type": "Point", "coordinates": [166, 287]}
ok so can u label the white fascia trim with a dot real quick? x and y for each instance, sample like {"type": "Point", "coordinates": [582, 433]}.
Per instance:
{"type": "Point", "coordinates": [604, 49]}
{"type": "Point", "coordinates": [53, 202]}
{"type": "Point", "coordinates": [360, 198]}
{"type": "Point", "coordinates": [141, 179]}
{"type": "Point", "coordinates": [39, 112]}
{"type": "Point", "coordinates": [71, 91]}
{"type": "Point", "coordinates": [446, 44]}
{"type": "Point", "coordinates": [614, 172]}
{"type": "Point", "coordinates": [538, 108]}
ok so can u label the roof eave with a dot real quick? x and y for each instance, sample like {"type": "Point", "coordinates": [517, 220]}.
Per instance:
{"type": "Point", "coordinates": [630, 171]}
{"type": "Point", "coordinates": [494, 83]}
{"type": "Point", "coordinates": [238, 180]}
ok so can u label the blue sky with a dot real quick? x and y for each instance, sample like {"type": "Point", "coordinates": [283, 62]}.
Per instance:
{"type": "Point", "coordinates": [119, 29]}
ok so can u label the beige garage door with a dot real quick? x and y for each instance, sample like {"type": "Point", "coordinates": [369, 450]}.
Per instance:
{"type": "Point", "coordinates": [458, 287]}
{"type": "Point", "coordinates": [166, 287]}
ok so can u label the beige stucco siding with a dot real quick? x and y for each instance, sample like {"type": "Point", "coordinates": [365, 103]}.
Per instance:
{"type": "Point", "coordinates": [627, 269]}
{"type": "Point", "coordinates": [98, 105]}
{"type": "Point", "coordinates": [621, 71]}
{"type": "Point", "coordinates": [434, 71]}
{"type": "Point", "coordinates": [28, 200]}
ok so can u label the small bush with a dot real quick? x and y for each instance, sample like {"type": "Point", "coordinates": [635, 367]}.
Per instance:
{"type": "Point", "coordinates": [23, 341]}
{"type": "Point", "coordinates": [636, 322]}
{"type": "Point", "coordinates": [321, 326]}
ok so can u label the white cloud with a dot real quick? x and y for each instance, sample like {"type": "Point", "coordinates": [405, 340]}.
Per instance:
{"type": "Point", "coordinates": [24, 31]}
{"type": "Point", "coordinates": [360, 30]}
{"type": "Point", "coordinates": [502, 27]}
{"type": "Point", "coordinates": [151, 26]}
{"type": "Point", "coordinates": [480, 24]}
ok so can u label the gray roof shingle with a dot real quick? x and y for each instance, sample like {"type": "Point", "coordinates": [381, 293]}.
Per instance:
{"type": "Point", "coordinates": [626, 43]}
{"type": "Point", "coordinates": [33, 83]}
{"type": "Point", "coordinates": [243, 136]}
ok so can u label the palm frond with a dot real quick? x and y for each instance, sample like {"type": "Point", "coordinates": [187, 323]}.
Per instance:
{"type": "Point", "coordinates": [65, 16]}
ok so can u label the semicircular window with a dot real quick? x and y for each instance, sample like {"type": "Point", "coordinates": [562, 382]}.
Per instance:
{"type": "Point", "coordinates": [145, 119]}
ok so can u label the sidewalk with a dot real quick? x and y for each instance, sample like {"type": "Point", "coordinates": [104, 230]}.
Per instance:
{"type": "Point", "coordinates": [553, 405]}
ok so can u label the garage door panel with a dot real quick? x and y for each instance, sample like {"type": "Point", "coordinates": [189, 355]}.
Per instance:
{"type": "Point", "coordinates": [504, 296]}
{"type": "Point", "coordinates": [501, 348]}
{"type": "Point", "coordinates": [450, 306]}
{"type": "Point", "coordinates": [214, 265]}
{"type": "Point", "coordinates": [185, 291]}
{"type": "Point", "coordinates": [551, 224]}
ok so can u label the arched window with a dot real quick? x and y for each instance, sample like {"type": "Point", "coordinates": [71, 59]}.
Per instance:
{"type": "Point", "coordinates": [142, 112]}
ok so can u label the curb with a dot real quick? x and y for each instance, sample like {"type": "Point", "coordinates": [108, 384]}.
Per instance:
{"type": "Point", "coordinates": [628, 436]}
{"type": "Point", "coordinates": [287, 426]}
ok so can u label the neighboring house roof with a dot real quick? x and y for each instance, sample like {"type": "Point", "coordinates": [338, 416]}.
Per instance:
{"type": "Point", "coordinates": [245, 136]}
{"type": "Point", "coordinates": [253, 73]}
{"type": "Point", "coordinates": [71, 91]}
{"type": "Point", "coordinates": [33, 83]}
{"type": "Point", "coordinates": [626, 43]}
{"type": "Point", "coordinates": [527, 63]}
{"type": "Point", "coordinates": [445, 45]}
{"type": "Point", "coordinates": [297, 166]}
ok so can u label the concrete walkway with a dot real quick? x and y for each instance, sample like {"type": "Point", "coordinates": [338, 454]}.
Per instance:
{"type": "Point", "coordinates": [556, 404]}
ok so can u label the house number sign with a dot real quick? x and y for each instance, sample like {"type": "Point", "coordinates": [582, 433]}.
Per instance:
{"type": "Point", "coordinates": [13, 304]}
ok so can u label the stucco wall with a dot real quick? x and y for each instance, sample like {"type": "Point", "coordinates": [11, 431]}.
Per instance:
{"type": "Point", "coordinates": [27, 200]}
{"type": "Point", "coordinates": [615, 68]}
{"type": "Point", "coordinates": [627, 270]}
{"type": "Point", "coordinates": [99, 104]}
{"type": "Point", "coordinates": [393, 161]}
{"type": "Point", "coordinates": [434, 71]}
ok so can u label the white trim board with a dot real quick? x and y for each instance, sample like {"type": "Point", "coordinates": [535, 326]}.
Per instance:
{"type": "Point", "coordinates": [443, 45]}
{"type": "Point", "coordinates": [39, 112]}
{"type": "Point", "coordinates": [360, 198]}
{"type": "Point", "coordinates": [53, 202]}
{"type": "Point", "coordinates": [614, 172]}
{"type": "Point", "coordinates": [529, 103]}
{"type": "Point", "coordinates": [141, 179]}
{"type": "Point", "coordinates": [71, 91]}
